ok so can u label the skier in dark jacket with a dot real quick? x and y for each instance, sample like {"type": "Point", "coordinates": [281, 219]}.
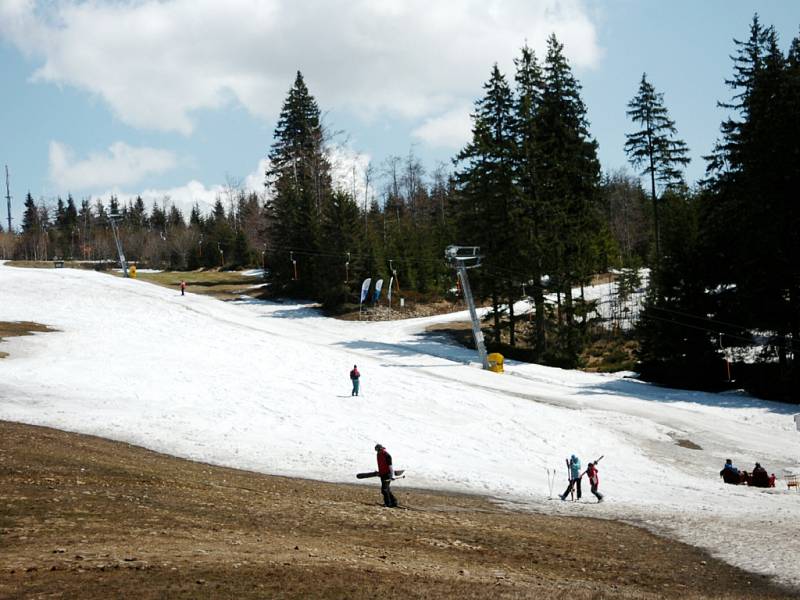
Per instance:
{"type": "Point", "coordinates": [730, 474]}
{"type": "Point", "coordinates": [386, 473]}
{"type": "Point", "coordinates": [574, 465]}
{"type": "Point", "coordinates": [354, 377]}
{"type": "Point", "coordinates": [594, 480]}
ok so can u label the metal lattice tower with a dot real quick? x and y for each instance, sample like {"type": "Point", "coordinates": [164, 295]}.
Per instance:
{"type": "Point", "coordinates": [462, 258]}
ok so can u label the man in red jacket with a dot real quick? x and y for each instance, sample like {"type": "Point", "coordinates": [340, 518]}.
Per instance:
{"type": "Point", "coordinates": [594, 480]}
{"type": "Point", "coordinates": [386, 473]}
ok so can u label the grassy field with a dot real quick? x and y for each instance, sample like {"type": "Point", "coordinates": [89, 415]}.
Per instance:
{"type": "Point", "coordinates": [224, 285]}
{"type": "Point", "coordinates": [50, 264]}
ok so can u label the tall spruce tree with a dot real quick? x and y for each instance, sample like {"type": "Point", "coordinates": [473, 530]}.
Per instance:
{"type": "Point", "coordinates": [300, 184]}
{"type": "Point", "coordinates": [568, 179]}
{"type": "Point", "coordinates": [533, 244]}
{"type": "Point", "coordinates": [751, 221]}
{"type": "Point", "coordinates": [488, 199]}
{"type": "Point", "coordinates": [30, 217]}
{"type": "Point", "coordinates": [654, 148]}
{"type": "Point", "coordinates": [676, 342]}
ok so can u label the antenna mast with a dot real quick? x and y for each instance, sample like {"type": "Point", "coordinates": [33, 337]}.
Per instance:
{"type": "Point", "coordinates": [8, 200]}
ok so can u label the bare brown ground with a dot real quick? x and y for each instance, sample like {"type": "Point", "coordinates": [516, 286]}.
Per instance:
{"type": "Point", "coordinates": [85, 517]}
{"type": "Point", "coordinates": [15, 328]}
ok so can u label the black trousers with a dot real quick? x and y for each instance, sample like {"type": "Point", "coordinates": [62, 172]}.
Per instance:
{"type": "Point", "coordinates": [388, 497]}
{"type": "Point", "coordinates": [597, 494]}
{"type": "Point", "coordinates": [573, 483]}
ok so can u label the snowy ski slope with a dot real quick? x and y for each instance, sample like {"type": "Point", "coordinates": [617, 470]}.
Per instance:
{"type": "Point", "coordinates": [264, 386]}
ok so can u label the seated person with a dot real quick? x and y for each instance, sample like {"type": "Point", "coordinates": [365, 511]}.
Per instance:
{"type": "Point", "coordinates": [760, 477]}
{"type": "Point", "coordinates": [730, 474]}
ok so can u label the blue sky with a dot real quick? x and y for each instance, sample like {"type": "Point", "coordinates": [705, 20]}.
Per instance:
{"type": "Point", "coordinates": [179, 98]}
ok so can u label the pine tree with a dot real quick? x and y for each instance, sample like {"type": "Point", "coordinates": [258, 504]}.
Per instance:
{"type": "Point", "coordinates": [339, 231]}
{"type": "Point", "coordinates": [138, 214]}
{"type": "Point", "coordinates": [175, 218]}
{"type": "Point", "coordinates": [676, 341]}
{"type": "Point", "coordinates": [751, 220]}
{"type": "Point", "coordinates": [654, 148]}
{"type": "Point", "coordinates": [488, 200]}
{"type": "Point", "coordinates": [529, 90]}
{"type": "Point", "coordinates": [30, 217]}
{"type": "Point", "coordinates": [300, 182]}
{"type": "Point", "coordinates": [196, 217]}
{"type": "Point", "coordinates": [568, 178]}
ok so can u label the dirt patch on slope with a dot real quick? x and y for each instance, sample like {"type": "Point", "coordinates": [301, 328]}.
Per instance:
{"type": "Point", "coordinates": [17, 328]}
{"type": "Point", "coordinates": [85, 517]}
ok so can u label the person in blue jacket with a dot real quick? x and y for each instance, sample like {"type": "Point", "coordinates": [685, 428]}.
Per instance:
{"type": "Point", "coordinates": [730, 474]}
{"type": "Point", "coordinates": [574, 465]}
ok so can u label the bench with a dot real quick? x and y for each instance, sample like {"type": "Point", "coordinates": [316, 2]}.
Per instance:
{"type": "Point", "coordinates": [793, 481]}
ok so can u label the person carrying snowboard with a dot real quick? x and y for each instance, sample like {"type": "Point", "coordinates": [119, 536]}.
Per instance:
{"type": "Point", "coordinates": [594, 480]}
{"type": "Point", "coordinates": [574, 467]}
{"type": "Point", "coordinates": [386, 473]}
{"type": "Point", "coordinates": [354, 377]}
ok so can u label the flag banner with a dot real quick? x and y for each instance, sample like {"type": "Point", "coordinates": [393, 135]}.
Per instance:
{"type": "Point", "coordinates": [365, 288]}
{"type": "Point", "coordinates": [378, 286]}
{"type": "Point", "coordinates": [389, 293]}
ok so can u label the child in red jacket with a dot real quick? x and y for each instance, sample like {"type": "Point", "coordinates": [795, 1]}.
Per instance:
{"type": "Point", "coordinates": [594, 480]}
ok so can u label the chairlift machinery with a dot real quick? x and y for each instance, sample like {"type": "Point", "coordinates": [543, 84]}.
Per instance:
{"type": "Point", "coordinates": [112, 218]}
{"type": "Point", "coordinates": [462, 258]}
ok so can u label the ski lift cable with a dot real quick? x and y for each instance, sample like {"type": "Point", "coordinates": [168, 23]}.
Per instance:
{"type": "Point", "coordinates": [699, 317]}
{"type": "Point", "coordinates": [697, 327]}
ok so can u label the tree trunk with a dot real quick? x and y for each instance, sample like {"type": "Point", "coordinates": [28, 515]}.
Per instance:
{"type": "Point", "coordinates": [512, 338]}
{"type": "Point", "coordinates": [496, 313]}
{"type": "Point", "coordinates": [560, 313]}
{"type": "Point", "coordinates": [583, 308]}
{"type": "Point", "coordinates": [538, 301]}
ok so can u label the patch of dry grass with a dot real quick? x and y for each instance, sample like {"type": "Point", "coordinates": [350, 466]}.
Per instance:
{"type": "Point", "coordinates": [224, 285]}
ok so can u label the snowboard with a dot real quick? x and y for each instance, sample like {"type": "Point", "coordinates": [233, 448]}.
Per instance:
{"type": "Point", "coordinates": [397, 473]}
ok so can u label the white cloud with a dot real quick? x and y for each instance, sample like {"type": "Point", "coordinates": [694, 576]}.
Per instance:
{"type": "Point", "coordinates": [449, 130]}
{"type": "Point", "coordinates": [121, 165]}
{"type": "Point", "coordinates": [347, 167]}
{"type": "Point", "coordinates": [155, 62]}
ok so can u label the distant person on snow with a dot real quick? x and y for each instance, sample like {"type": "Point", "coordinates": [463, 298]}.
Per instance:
{"type": "Point", "coordinates": [354, 377]}
{"type": "Point", "coordinates": [594, 480]}
{"type": "Point", "coordinates": [386, 473]}
{"type": "Point", "coordinates": [574, 466]}
{"type": "Point", "coordinates": [730, 474]}
{"type": "Point", "coordinates": [183, 288]}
